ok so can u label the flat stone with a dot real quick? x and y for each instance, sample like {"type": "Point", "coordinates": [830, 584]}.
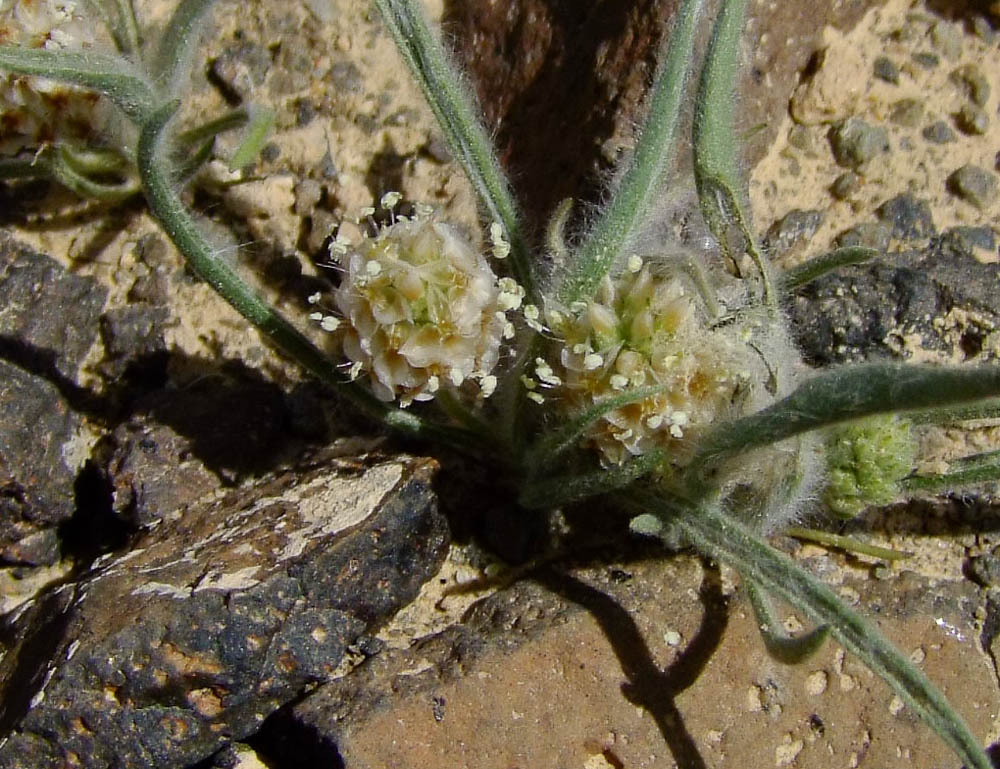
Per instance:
{"type": "Point", "coordinates": [792, 232]}
{"type": "Point", "coordinates": [938, 132]}
{"type": "Point", "coordinates": [972, 120]}
{"type": "Point", "coordinates": [974, 185]}
{"type": "Point", "coordinates": [217, 617]}
{"type": "Point", "coordinates": [133, 335]}
{"type": "Point", "coordinates": [931, 295]}
{"type": "Point", "coordinates": [650, 664]}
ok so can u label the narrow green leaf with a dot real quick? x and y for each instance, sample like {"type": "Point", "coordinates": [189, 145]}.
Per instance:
{"type": "Point", "coordinates": [809, 271]}
{"type": "Point", "coordinates": [175, 55]}
{"type": "Point", "coordinates": [548, 449]}
{"type": "Point", "coordinates": [112, 76]}
{"type": "Point", "coordinates": [850, 393]}
{"type": "Point", "coordinates": [720, 537]}
{"type": "Point", "coordinates": [261, 123]}
{"type": "Point", "coordinates": [783, 647]}
{"type": "Point", "coordinates": [564, 489]}
{"type": "Point", "coordinates": [965, 472]}
{"type": "Point", "coordinates": [848, 544]}
{"type": "Point", "coordinates": [636, 195]}
{"type": "Point", "coordinates": [716, 151]}
{"type": "Point", "coordinates": [66, 173]}
{"type": "Point", "coordinates": [458, 115]}
{"type": "Point", "coordinates": [988, 410]}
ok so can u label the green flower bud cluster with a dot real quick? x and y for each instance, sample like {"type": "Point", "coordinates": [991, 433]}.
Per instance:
{"type": "Point", "coordinates": [867, 460]}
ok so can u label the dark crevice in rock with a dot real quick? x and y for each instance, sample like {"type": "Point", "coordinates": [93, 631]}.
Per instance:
{"type": "Point", "coordinates": [93, 529]}
{"type": "Point", "coordinates": [33, 652]}
{"type": "Point", "coordinates": [285, 742]}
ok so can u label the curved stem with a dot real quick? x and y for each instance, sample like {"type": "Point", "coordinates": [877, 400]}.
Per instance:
{"type": "Point", "coordinates": [208, 264]}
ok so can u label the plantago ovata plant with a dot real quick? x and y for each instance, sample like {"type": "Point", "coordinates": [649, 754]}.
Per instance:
{"type": "Point", "coordinates": [607, 363]}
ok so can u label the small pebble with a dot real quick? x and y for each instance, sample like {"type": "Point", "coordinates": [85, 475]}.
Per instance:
{"type": "Point", "coordinates": [867, 235]}
{"type": "Point", "coordinates": [885, 69]}
{"type": "Point", "coordinates": [909, 216]}
{"type": "Point", "coordinates": [855, 142]}
{"type": "Point", "coordinates": [972, 83]}
{"type": "Point", "coordinates": [972, 120]}
{"type": "Point", "coordinates": [973, 185]}
{"type": "Point", "coordinates": [845, 185]}
{"type": "Point", "coordinates": [907, 113]}
{"type": "Point", "coordinates": [947, 39]}
{"type": "Point", "coordinates": [794, 229]}
{"type": "Point", "coordinates": [800, 138]}
{"type": "Point", "coordinates": [974, 237]}
{"type": "Point", "coordinates": [926, 60]}
{"type": "Point", "coordinates": [938, 132]}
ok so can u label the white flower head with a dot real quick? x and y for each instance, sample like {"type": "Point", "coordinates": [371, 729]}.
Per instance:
{"type": "Point", "coordinates": [419, 308]}
{"type": "Point", "coordinates": [34, 111]}
{"type": "Point", "coordinates": [646, 330]}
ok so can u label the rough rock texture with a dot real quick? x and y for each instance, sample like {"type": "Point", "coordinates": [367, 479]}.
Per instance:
{"type": "Point", "coordinates": [938, 299]}
{"type": "Point", "coordinates": [216, 617]}
{"type": "Point", "coordinates": [48, 322]}
{"type": "Point", "coordinates": [653, 664]}
{"type": "Point", "coordinates": [48, 316]}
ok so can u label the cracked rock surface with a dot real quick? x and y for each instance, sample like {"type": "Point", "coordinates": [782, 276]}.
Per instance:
{"type": "Point", "coordinates": [216, 617]}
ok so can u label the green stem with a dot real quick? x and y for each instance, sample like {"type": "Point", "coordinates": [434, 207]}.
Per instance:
{"type": "Point", "coordinates": [638, 192]}
{"type": "Point", "coordinates": [457, 114]}
{"type": "Point", "coordinates": [841, 542]}
{"type": "Point", "coordinates": [845, 394]}
{"type": "Point", "coordinates": [717, 178]}
{"type": "Point", "coordinates": [207, 263]}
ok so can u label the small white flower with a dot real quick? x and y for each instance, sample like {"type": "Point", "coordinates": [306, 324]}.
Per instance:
{"type": "Point", "coordinates": [389, 200]}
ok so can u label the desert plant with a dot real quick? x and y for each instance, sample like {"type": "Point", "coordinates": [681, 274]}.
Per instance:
{"type": "Point", "coordinates": [608, 362]}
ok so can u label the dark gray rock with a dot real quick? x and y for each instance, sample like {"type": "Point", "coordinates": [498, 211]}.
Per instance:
{"type": "Point", "coordinates": [974, 185]}
{"type": "Point", "coordinates": [240, 70]}
{"type": "Point", "coordinates": [972, 120]}
{"type": "Point", "coordinates": [132, 333]}
{"type": "Point", "coordinates": [972, 83]}
{"type": "Point", "coordinates": [36, 483]}
{"type": "Point", "coordinates": [938, 132]}
{"type": "Point", "coordinates": [855, 142]}
{"type": "Point", "coordinates": [909, 216]}
{"type": "Point", "coordinates": [180, 444]}
{"type": "Point", "coordinates": [46, 313]}
{"type": "Point", "coordinates": [217, 617]}
{"type": "Point", "coordinates": [926, 59]}
{"type": "Point", "coordinates": [875, 235]}
{"type": "Point", "coordinates": [865, 311]}
{"type": "Point", "coordinates": [845, 185]}
{"type": "Point", "coordinates": [907, 112]}
{"type": "Point", "coordinates": [792, 232]}
{"type": "Point", "coordinates": [973, 237]}
{"type": "Point", "coordinates": [885, 69]}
